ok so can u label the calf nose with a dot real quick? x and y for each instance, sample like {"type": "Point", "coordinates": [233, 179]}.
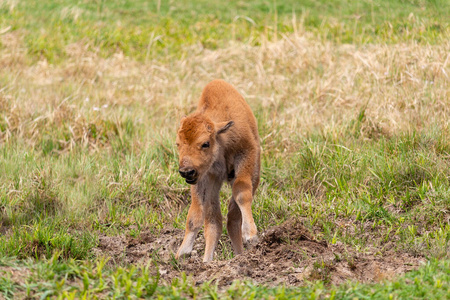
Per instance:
{"type": "Point", "coordinates": [187, 173]}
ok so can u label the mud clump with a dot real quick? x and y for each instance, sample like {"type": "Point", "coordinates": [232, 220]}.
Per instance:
{"type": "Point", "coordinates": [286, 254]}
{"type": "Point", "coordinates": [291, 231]}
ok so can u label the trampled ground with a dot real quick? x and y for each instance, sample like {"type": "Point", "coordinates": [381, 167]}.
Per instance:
{"type": "Point", "coordinates": [285, 255]}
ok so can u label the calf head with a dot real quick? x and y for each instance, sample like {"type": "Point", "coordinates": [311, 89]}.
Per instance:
{"type": "Point", "coordinates": [197, 145]}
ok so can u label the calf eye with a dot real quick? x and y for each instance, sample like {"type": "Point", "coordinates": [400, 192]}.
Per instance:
{"type": "Point", "coordinates": [205, 145]}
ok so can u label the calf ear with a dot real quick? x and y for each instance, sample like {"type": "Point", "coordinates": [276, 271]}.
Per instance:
{"type": "Point", "coordinates": [223, 126]}
{"type": "Point", "coordinates": [181, 122]}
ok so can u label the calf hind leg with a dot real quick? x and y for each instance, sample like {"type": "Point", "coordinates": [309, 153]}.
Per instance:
{"type": "Point", "coordinates": [243, 195]}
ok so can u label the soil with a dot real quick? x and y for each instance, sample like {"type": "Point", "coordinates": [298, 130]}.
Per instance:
{"type": "Point", "coordinates": [287, 254]}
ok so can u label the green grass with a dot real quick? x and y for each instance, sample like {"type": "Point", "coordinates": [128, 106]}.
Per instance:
{"type": "Point", "coordinates": [344, 178]}
{"type": "Point", "coordinates": [351, 100]}
{"type": "Point", "coordinates": [69, 280]}
{"type": "Point", "coordinates": [161, 29]}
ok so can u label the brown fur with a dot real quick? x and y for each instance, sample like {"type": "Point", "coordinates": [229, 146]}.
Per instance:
{"type": "Point", "coordinates": [219, 142]}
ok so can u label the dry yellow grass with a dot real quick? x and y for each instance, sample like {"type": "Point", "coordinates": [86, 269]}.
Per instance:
{"type": "Point", "coordinates": [298, 84]}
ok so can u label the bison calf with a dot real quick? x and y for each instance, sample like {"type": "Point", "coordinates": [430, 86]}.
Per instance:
{"type": "Point", "coordinates": [219, 142]}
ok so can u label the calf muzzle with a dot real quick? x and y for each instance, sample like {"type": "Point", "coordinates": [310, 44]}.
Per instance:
{"type": "Point", "coordinates": [189, 174]}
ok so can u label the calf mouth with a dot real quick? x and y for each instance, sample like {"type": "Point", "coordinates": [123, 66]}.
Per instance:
{"type": "Point", "coordinates": [191, 181]}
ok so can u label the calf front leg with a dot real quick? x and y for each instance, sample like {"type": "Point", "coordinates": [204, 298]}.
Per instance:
{"type": "Point", "coordinates": [243, 195]}
{"type": "Point", "coordinates": [194, 223]}
{"type": "Point", "coordinates": [213, 226]}
{"type": "Point", "coordinates": [234, 226]}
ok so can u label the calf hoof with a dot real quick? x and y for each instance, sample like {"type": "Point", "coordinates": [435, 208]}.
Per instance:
{"type": "Point", "coordinates": [252, 242]}
{"type": "Point", "coordinates": [184, 255]}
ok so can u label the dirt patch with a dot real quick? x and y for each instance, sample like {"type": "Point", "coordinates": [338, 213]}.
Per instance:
{"type": "Point", "coordinates": [15, 274]}
{"type": "Point", "coordinates": [286, 254]}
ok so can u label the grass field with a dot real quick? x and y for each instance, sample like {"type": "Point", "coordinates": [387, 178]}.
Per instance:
{"type": "Point", "coordinates": [352, 101]}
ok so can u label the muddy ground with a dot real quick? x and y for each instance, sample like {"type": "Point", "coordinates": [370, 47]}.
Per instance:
{"type": "Point", "coordinates": [286, 254]}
